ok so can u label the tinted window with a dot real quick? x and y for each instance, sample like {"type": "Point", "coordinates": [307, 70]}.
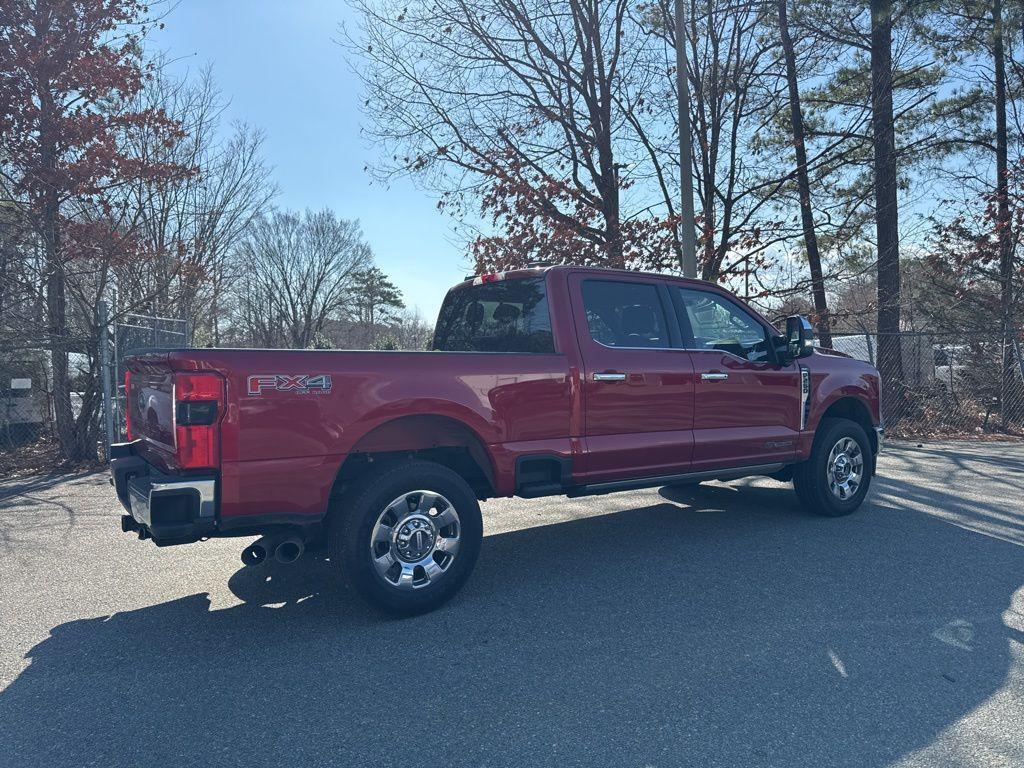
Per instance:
{"type": "Point", "coordinates": [717, 323]}
{"type": "Point", "coordinates": [624, 314]}
{"type": "Point", "coordinates": [503, 316]}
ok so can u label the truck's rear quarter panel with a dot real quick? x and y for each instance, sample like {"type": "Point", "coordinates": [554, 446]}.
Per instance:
{"type": "Point", "coordinates": [281, 450]}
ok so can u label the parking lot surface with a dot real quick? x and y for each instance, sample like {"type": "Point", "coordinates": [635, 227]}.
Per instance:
{"type": "Point", "coordinates": [710, 626]}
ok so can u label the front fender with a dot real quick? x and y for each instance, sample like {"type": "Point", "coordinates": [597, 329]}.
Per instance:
{"type": "Point", "coordinates": [836, 381]}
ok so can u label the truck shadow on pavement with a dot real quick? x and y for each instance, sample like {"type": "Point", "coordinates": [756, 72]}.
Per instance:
{"type": "Point", "coordinates": [711, 628]}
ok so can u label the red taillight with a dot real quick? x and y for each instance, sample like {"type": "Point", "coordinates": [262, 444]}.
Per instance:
{"type": "Point", "coordinates": [198, 406]}
{"type": "Point", "coordinates": [128, 405]}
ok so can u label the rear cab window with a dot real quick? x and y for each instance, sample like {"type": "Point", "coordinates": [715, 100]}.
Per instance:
{"type": "Point", "coordinates": [500, 316]}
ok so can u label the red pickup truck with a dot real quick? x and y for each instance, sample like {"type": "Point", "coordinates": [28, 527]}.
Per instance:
{"type": "Point", "coordinates": [545, 381]}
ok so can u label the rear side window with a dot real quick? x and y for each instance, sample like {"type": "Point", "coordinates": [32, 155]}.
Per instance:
{"type": "Point", "coordinates": [503, 316]}
{"type": "Point", "coordinates": [624, 314]}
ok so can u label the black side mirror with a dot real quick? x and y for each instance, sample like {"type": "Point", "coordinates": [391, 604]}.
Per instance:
{"type": "Point", "coordinates": [780, 348]}
{"type": "Point", "coordinates": [799, 336]}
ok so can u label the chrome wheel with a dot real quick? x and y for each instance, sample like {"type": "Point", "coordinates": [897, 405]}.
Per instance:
{"type": "Point", "coordinates": [845, 468]}
{"type": "Point", "coordinates": [415, 540]}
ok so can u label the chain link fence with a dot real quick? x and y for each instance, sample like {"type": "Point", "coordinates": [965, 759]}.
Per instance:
{"type": "Point", "coordinates": [96, 376]}
{"type": "Point", "coordinates": [953, 384]}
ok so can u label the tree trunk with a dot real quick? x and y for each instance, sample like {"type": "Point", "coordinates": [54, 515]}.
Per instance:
{"type": "Point", "coordinates": [1003, 214]}
{"type": "Point", "coordinates": [88, 421]}
{"type": "Point", "coordinates": [56, 317]}
{"type": "Point", "coordinates": [215, 313]}
{"type": "Point", "coordinates": [803, 182]}
{"type": "Point", "coordinates": [685, 235]}
{"type": "Point", "coordinates": [56, 294]}
{"type": "Point", "coordinates": [609, 181]}
{"type": "Point", "coordinates": [890, 359]}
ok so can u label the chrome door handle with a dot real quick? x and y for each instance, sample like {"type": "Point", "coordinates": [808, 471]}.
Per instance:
{"type": "Point", "coordinates": [714, 376]}
{"type": "Point", "coordinates": [609, 376]}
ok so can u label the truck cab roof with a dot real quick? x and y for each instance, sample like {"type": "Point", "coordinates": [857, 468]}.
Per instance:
{"type": "Point", "coordinates": [537, 270]}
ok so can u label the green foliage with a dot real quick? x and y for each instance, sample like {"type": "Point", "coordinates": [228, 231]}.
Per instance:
{"type": "Point", "coordinates": [386, 343]}
{"type": "Point", "coordinates": [375, 299]}
{"type": "Point", "coordinates": [319, 340]}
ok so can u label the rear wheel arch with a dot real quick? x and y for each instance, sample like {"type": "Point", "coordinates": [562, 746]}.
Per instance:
{"type": "Point", "coordinates": [428, 437]}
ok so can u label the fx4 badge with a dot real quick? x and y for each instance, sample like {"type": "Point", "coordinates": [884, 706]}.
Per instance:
{"type": "Point", "coordinates": [301, 384]}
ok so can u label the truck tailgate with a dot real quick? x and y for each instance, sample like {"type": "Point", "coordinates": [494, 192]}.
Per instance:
{"type": "Point", "coordinates": [149, 403]}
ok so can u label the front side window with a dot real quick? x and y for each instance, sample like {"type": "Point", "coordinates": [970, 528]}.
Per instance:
{"type": "Point", "coordinates": [503, 316]}
{"type": "Point", "coordinates": [624, 314]}
{"type": "Point", "coordinates": [717, 323]}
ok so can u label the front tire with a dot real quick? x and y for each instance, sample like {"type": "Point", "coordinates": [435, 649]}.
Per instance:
{"type": "Point", "coordinates": [835, 479]}
{"type": "Point", "coordinates": [407, 536]}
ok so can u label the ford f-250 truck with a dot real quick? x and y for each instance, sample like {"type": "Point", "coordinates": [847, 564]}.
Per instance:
{"type": "Point", "coordinates": [541, 381]}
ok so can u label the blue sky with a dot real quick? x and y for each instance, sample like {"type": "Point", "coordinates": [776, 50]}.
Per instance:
{"type": "Point", "coordinates": [279, 66]}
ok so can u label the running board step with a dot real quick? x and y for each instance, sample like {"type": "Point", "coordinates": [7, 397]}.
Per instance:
{"type": "Point", "coordinates": [534, 490]}
{"type": "Point", "coordinates": [731, 473]}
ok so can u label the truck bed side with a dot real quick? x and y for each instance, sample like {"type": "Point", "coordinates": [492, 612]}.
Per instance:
{"type": "Point", "coordinates": [296, 439]}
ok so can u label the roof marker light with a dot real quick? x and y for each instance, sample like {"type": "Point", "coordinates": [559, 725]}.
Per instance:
{"type": "Point", "coordinates": [490, 277]}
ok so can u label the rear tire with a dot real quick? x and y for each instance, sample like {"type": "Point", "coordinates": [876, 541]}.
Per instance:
{"type": "Point", "coordinates": [835, 479]}
{"type": "Point", "coordinates": [406, 536]}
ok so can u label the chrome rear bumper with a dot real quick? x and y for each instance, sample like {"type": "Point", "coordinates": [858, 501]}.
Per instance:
{"type": "Point", "coordinates": [170, 509]}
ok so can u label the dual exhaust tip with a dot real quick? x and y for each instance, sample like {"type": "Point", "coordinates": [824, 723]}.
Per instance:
{"type": "Point", "coordinates": [285, 550]}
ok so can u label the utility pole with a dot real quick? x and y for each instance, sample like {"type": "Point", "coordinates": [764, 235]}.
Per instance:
{"type": "Point", "coordinates": [687, 235]}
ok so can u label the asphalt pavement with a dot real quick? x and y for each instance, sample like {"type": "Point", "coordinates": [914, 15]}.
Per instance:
{"type": "Point", "coordinates": [710, 626]}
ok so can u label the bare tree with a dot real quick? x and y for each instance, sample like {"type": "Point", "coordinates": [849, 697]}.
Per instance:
{"type": "Point", "coordinates": [559, 119]}
{"type": "Point", "coordinates": [737, 96]}
{"type": "Point", "coordinates": [412, 332]}
{"type": "Point", "coordinates": [533, 109]}
{"type": "Point", "coordinates": [190, 225]}
{"type": "Point", "coordinates": [299, 272]}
